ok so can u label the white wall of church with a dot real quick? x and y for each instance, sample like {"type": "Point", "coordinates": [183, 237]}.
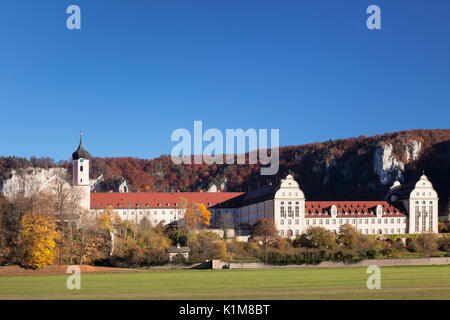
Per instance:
{"type": "Point", "coordinates": [423, 207]}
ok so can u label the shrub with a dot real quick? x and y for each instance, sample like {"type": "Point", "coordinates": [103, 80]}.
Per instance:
{"type": "Point", "coordinates": [398, 245]}
{"type": "Point", "coordinates": [443, 244]}
{"type": "Point", "coordinates": [179, 259]}
{"type": "Point", "coordinates": [411, 245]}
{"type": "Point", "coordinates": [386, 252]}
{"type": "Point", "coordinates": [427, 243]}
{"type": "Point", "coordinates": [371, 254]}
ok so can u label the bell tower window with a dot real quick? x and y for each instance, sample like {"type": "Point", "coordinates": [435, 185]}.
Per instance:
{"type": "Point", "coordinates": [81, 168]}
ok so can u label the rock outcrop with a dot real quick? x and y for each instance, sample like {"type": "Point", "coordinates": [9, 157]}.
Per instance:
{"type": "Point", "coordinates": [387, 165]}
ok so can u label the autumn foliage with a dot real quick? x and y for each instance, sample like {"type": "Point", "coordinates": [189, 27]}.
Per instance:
{"type": "Point", "coordinates": [196, 216]}
{"type": "Point", "coordinates": [36, 243]}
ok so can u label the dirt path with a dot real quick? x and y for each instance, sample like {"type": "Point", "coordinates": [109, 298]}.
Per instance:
{"type": "Point", "coordinates": [57, 269]}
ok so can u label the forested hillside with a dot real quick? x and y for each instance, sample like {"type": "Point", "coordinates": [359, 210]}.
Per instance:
{"type": "Point", "coordinates": [359, 168]}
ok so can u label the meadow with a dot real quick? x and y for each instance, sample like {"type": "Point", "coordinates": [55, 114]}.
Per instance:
{"type": "Point", "coordinates": [413, 282]}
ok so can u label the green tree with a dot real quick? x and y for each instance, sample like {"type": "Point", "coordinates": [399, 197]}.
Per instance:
{"type": "Point", "coordinates": [427, 243]}
{"type": "Point", "coordinates": [348, 235]}
{"type": "Point", "coordinates": [319, 237]}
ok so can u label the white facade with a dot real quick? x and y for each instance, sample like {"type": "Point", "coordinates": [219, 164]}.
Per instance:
{"type": "Point", "coordinates": [292, 214]}
{"type": "Point", "coordinates": [423, 207]}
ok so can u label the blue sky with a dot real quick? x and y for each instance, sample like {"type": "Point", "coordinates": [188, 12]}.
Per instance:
{"type": "Point", "coordinates": [137, 70]}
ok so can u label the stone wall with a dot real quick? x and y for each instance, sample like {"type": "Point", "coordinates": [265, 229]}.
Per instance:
{"type": "Point", "coordinates": [217, 264]}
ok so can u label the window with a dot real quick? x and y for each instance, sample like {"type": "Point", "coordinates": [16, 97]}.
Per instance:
{"type": "Point", "coordinates": [171, 212]}
{"type": "Point", "coordinates": [367, 231]}
{"type": "Point", "coordinates": [320, 221]}
{"type": "Point", "coordinates": [297, 211]}
{"type": "Point", "coordinates": [334, 221]}
{"type": "Point", "coordinates": [281, 221]}
{"type": "Point", "coordinates": [373, 231]}
{"type": "Point", "coordinates": [281, 232]}
{"type": "Point", "coordinates": [373, 221]}
{"type": "Point", "coordinates": [392, 231]}
{"type": "Point", "coordinates": [431, 218]}
{"type": "Point", "coordinates": [314, 221]}
{"type": "Point", "coordinates": [81, 168]}
{"type": "Point", "coordinates": [417, 217]}
{"type": "Point", "coordinates": [124, 213]}
{"type": "Point", "coordinates": [296, 221]}
{"type": "Point", "coordinates": [140, 212]}
{"type": "Point", "coordinates": [398, 230]}
{"type": "Point", "coordinates": [379, 221]}
{"type": "Point", "coordinates": [289, 221]}
{"type": "Point", "coordinates": [424, 218]}
{"type": "Point", "coordinates": [385, 221]}
{"type": "Point", "coordinates": [353, 221]}
{"type": "Point", "coordinates": [392, 220]}
{"type": "Point", "coordinates": [367, 221]}
{"type": "Point", "coordinates": [297, 232]}
{"type": "Point", "coordinates": [399, 220]}
{"type": "Point", "coordinates": [289, 211]}
{"type": "Point", "coordinates": [132, 213]}
{"type": "Point", "coordinates": [346, 220]}
{"type": "Point", "coordinates": [340, 221]}
{"type": "Point", "coordinates": [307, 222]}
{"type": "Point", "coordinates": [283, 213]}
{"type": "Point", "coordinates": [327, 221]}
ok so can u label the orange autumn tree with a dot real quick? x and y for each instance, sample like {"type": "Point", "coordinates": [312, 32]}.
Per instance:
{"type": "Point", "coordinates": [196, 215]}
{"type": "Point", "coordinates": [36, 245]}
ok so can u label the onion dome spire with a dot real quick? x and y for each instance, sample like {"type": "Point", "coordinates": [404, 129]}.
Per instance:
{"type": "Point", "coordinates": [80, 152]}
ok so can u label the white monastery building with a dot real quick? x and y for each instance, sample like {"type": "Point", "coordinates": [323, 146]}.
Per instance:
{"type": "Point", "coordinates": [410, 208]}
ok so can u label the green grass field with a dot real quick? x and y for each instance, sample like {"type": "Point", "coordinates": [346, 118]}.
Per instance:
{"type": "Point", "coordinates": [422, 282]}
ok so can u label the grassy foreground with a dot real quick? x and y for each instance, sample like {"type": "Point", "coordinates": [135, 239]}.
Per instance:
{"type": "Point", "coordinates": [421, 282]}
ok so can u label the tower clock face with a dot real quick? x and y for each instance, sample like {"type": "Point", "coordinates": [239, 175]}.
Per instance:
{"type": "Point", "coordinates": [81, 160]}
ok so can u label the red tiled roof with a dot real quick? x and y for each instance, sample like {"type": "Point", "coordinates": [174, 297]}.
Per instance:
{"type": "Point", "coordinates": [313, 208]}
{"type": "Point", "coordinates": [157, 199]}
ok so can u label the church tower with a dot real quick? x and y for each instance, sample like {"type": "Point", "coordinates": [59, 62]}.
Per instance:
{"type": "Point", "coordinates": [80, 163]}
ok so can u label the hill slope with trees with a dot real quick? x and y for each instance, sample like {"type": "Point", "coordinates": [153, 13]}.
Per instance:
{"type": "Point", "coordinates": [361, 168]}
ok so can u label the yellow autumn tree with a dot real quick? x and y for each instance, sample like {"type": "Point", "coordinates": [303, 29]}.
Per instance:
{"type": "Point", "coordinates": [108, 219]}
{"type": "Point", "coordinates": [36, 243]}
{"type": "Point", "coordinates": [197, 216]}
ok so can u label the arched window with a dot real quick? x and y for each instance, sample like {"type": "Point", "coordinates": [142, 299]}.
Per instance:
{"type": "Point", "coordinates": [81, 168]}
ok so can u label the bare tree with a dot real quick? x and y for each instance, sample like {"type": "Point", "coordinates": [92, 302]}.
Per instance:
{"type": "Point", "coordinates": [68, 211]}
{"type": "Point", "coordinates": [226, 222]}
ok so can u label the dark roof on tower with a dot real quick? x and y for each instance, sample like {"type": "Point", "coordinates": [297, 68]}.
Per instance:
{"type": "Point", "coordinates": [80, 152]}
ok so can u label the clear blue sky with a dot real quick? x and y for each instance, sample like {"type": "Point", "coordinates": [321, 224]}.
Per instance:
{"type": "Point", "coordinates": [137, 70]}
